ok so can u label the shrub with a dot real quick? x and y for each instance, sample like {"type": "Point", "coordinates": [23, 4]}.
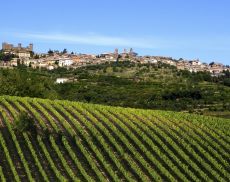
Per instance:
{"type": "Point", "coordinates": [24, 123]}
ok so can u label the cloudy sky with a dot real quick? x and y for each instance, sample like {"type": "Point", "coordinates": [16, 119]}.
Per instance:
{"type": "Point", "coordinates": [188, 29]}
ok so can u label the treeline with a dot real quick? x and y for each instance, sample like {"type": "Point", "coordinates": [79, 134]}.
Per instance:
{"type": "Point", "coordinates": [223, 78]}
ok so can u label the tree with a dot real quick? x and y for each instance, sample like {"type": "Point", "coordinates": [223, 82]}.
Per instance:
{"type": "Point", "coordinates": [56, 62]}
{"type": "Point", "coordinates": [18, 62]}
{"type": "Point", "coordinates": [64, 51]}
{"type": "Point", "coordinates": [104, 70]}
{"type": "Point", "coordinates": [6, 57]}
{"type": "Point", "coordinates": [118, 57]}
{"type": "Point", "coordinates": [227, 74]}
{"type": "Point", "coordinates": [31, 54]}
{"type": "Point", "coordinates": [50, 52]}
{"type": "Point", "coordinates": [36, 56]}
{"type": "Point", "coordinates": [1, 55]}
{"type": "Point", "coordinates": [212, 63]}
{"type": "Point", "coordinates": [24, 123]}
{"type": "Point", "coordinates": [227, 82]}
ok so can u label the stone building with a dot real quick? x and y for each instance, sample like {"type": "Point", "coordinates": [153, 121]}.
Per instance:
{"type": "Point", "coordinates": [22, 52]}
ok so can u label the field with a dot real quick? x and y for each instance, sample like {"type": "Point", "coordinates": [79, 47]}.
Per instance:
{"type": "Point", "coordinates": [75, 141]}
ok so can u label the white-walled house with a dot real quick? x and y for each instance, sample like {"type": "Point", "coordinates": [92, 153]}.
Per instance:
{"type": "Point", "coordinates": [62, 80]}
{"type": "Point", "coordinates": [50, 67]}
{"type": "Point", "coordinates": [14, 62]}
{"type": "Point", "coordinates": [23, 54]}
{"type": "Point", "coordinates": [195, 63]}
{"type": "Point", "coordinates": [153, 61]}
{"type": "Point", "coordinates": [42, 65]}
{"type": "Point", "coordinates": [27, 62]}
{"type": "Point", "coordinates": [65, 62]}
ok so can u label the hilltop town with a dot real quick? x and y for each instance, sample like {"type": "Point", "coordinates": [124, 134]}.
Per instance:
{"type": "Point", "coordinates": [54, 59]}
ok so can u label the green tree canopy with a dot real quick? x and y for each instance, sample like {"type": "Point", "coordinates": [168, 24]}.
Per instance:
{"type": "Point", "coordinates": [24, 123]}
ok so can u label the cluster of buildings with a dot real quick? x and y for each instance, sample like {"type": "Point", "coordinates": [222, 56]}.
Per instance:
{"type": "Point", "coordinates": [56, 59]}
{"type": "Point", "coordinates": [21, 52]}
{"type": "Point", "coordinates": [196, 65]}
{"type": "Point", "coordinates": [214, 68]}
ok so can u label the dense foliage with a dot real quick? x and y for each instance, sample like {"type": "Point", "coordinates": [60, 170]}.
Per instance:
{"type": "Point", "coordinates": [152, 86]}
{"type": "Point", "coordinates": [21, 82]}
{"type": "Point", "coordinates": [24, 123]}
{"type": "Point", "coordinates": [86, 142]}
{"type": "Point", "coordinates": [6, 57]}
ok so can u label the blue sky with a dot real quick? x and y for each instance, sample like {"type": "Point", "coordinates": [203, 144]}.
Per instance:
{"type": "Point", "coordinates": [178, 28]}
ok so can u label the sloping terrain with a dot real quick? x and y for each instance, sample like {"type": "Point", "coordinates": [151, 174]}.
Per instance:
{"type": "Point", "coordinates": [85, 142]}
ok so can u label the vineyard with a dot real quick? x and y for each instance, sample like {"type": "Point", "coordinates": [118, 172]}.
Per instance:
{"type": "Point", "coordinates": [84, 142]}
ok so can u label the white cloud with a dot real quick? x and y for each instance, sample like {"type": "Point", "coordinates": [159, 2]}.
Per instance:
{"type": "Point", "coordinates": [89, 39]}
{"type": "Point", "coordinates": [166, 43]}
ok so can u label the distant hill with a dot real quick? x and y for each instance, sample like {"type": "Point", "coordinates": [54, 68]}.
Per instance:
{"type": "Point", "coordinates": [73, 141]}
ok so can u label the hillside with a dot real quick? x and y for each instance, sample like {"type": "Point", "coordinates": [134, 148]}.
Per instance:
{"type": "Point", "coordinates": [84, 142]}
{"type": "Point", "coordinates": [125, 84]}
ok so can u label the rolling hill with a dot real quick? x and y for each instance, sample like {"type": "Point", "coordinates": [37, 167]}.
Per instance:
{"type": "Point", "coordinates": [74, 141]}
{"type": "Point", "coordinates": [125, 84]}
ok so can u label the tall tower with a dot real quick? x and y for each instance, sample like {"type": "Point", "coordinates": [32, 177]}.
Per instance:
{"type": "Point", "coordinates": [3, 45]}
{"type": "Point", "coordinates": [116, 54]}
{"type": "Point", "coordinates": [31, 47]}
{"type": "Point", "coordinates": [131, 51]}
{"type": "Point", "coordinates": [116, 51]}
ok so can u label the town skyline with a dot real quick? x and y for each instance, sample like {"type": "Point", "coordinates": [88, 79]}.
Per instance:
{"type": "Point", "coordinates": [30, 47]}
{"type": "Point", "coordinates": [168, 28]}
{"type": "Point", "coordinates": [14, 56]}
